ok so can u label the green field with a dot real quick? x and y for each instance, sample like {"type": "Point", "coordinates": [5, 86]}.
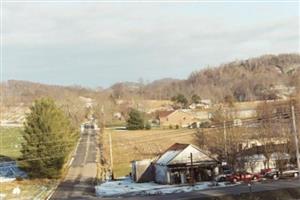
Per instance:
{"type": "Point", "coordinates": [10, 142]}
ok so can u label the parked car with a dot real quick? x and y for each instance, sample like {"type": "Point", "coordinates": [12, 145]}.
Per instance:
{"type": "Point", "coordinates": [224, 176]}
{"type": "Point", "coordinates": [270, 173]}
{"type": "Point", "coordinates": [290, 173]}
{"type": "Point", "coordinates": [243, 176]}
{"type": "Point", "coordinates": [275, 174]}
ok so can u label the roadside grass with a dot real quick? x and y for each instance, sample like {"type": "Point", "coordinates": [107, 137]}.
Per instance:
{"type": "Point", "coordinates": [30, 189]}
{"type": "Point", "coordinates": [10, 139]}
{"type": "Point", "coordinates": [142, 144]}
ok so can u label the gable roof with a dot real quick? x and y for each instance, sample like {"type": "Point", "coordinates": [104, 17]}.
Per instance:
{"type": "Point", "coordinates": [173, 151]}
{"type": "Point", "coordinates": [164, 113]}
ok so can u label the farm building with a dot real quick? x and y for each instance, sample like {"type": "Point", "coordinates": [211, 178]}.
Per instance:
{"type": "Point", "coordinates": [179, 164]}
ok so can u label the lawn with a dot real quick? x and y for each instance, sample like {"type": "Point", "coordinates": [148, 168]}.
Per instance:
{"type": "Point", "coordinates": [10, 142]}
{"type": "Point", "coordinates": [143, 144]}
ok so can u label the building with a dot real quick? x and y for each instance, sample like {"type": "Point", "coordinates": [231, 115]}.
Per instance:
{"type": "Point", "coordinates": [182, 118]}
{"type": "Point", "coordinates": [257, 162]}
{"type": "Point", "coordinates": [256, 158]}
{"type": "Point", "coordinates": [203, 104]}
{"type": "Point", "coordinates": [142, 170]}
{"type": "Point", "coordinates": [179, 164]}
{"type": "Point", "coordinates": [183, 163]}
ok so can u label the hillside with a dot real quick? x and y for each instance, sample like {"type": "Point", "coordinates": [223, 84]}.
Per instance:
{"type": "Point", "coordinates": [19, 95]}
{"type": "Point", "coordinates": [265, 77]}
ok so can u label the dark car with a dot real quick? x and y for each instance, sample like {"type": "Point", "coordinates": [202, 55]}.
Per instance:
{"type": "Point", "coordinates": [270, 173]}
{"type": "Point", "coordinates": [243, 176]}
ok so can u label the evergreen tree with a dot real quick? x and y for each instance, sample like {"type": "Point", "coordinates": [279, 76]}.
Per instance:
{"type": "Point", "coordinates": [48, 140]}
{"type": "Point", "coordinates": [135, 120]}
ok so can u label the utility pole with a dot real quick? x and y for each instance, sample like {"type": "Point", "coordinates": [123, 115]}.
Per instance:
{"type": "Point", "coordinates": [225, 134]}
{"type": "Point", "coordinates": [192, 170]}
{"type": "Point", "coordinates": [111, 156]}
{"type": "Point", "coordinates": [295, 137]}
{"type": "Point", "coordinates": [110, 143]}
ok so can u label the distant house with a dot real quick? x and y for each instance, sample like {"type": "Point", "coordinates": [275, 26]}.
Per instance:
{"type": "Point", "coordinates": [203, 104]}
{"type": "Point", "coordinates": [181, 163]}
{"type": "Point", "coordinates": [181, 118]}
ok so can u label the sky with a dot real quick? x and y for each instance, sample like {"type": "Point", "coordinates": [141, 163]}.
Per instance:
{"type": "Point", "coordinates": [96, 44]}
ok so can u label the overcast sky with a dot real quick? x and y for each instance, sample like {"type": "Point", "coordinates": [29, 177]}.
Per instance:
{"type": "Point", "coordinates": [98, 44]}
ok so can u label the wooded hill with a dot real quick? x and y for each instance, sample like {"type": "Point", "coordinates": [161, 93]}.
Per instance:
{"type": "Point", "coordinates": [265, 77]}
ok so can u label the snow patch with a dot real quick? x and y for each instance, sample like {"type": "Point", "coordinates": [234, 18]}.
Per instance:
{"type": "Point", "coordinates": [130, 188]}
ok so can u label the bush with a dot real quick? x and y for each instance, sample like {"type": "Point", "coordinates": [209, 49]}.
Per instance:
{"type": "Point", "coordinates": [177, 126]}
{"type": "Point", "coordinates": [148, 126]}
{"type": "Point", "coordinates": [170, 126]}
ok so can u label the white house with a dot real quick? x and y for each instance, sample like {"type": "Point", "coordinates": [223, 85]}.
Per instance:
{"type": "Point", "coordinates": [255, 163]}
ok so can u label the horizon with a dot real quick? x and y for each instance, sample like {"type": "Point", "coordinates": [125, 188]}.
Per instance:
{"type": "Point", "coordinates": [99, 44]}
{"type": "Point", "coordinates": [139, 81]}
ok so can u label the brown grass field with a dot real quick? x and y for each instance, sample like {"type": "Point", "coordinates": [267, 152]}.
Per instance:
{"type": "Point", "coordinates": [142, 144]}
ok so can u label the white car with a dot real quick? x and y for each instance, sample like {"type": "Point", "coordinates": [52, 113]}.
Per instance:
{"type": "Point", "coordinates": [290, 173]}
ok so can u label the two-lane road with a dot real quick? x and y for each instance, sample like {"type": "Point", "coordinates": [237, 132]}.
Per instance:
{"type": "Point", "coordinates": [79, 181]}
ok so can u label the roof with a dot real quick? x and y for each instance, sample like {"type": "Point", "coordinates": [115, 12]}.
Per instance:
{"type": "Point", "coordinates": [183, 112]}
{"type": "Point", "coordinates": [171, 153]}
{"type": "Point", "coordinates": [164, 113]}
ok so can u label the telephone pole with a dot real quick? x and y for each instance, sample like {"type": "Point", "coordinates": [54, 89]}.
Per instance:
{"type": "Point", "coordinates": [225, 134]}
{"type": "Point", "coordinates": [192, 170]}
{"type": "Point", "coordinates": [111, 156]}
{"type": "Point", "coordinates": [295, 137]}
{"type": "Point", "coordinates": [110, 143]}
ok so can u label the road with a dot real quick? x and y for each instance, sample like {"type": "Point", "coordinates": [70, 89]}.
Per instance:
{"type": "Point", "coordinates": [78, 183]}
{"type": "Point", "coordinates": [233, 190]}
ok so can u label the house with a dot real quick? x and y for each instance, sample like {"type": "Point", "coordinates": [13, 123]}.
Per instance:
{"type": "Point", "coordinates": [181, 118]}
{"type": "Point", "coordinates": [257, 162]}
{"type": "Point", "coordinates": [203, 104]}
{"type": "Point", "coordinates": [253, 143]}
{"type": "Point", "coordinates": [256, 158]}
{"type": "Point", "coordinates": [182, 163]}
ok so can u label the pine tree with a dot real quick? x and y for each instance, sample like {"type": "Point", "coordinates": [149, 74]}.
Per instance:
{"type": "Point", "coordinates": [135, 121]}
{"type": "Point", "coordinates": [48, 140]}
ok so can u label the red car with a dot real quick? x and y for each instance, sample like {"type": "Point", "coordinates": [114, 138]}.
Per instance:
{"type": "Point", "coordinates": [243, 176]}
